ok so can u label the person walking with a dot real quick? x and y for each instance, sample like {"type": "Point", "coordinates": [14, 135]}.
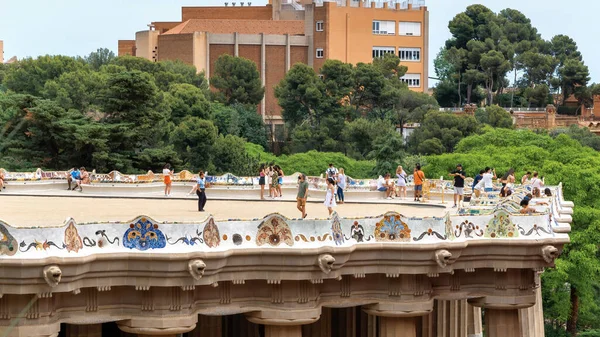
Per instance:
{"type": "Point", "coordinates": [330, 196]}
{"type": "Point", "coordinates": [200, 189]}
{"type": "Point", "coordinates": [302, 194]}
{"type": "Point", "coordinates": [167, 175]}
{"type": "Point", "coordinates": [402, 178]}
{"type": "Point", "coordinates": [459, 184]}
{"type": "Point", "coordinates": [341, 185]}
{"type": "Point", "coordinates": [419, 178]}
{"type": "Point", "coordinates": [261, 181]}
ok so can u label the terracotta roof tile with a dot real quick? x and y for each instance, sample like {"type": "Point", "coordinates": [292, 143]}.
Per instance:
{"type": "Point", "coordinates": [292, 27]}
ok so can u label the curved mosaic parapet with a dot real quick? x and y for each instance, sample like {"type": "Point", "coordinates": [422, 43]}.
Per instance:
{"type": "Point", "coordinates": [145, 234]}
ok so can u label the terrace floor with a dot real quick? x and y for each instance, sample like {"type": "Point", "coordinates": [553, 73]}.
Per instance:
{"type": "Point", "coordinates": [19, 211]}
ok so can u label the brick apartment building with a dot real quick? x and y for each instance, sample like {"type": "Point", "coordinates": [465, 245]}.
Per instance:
{"type": "Point", "coordinates": [285, 32]}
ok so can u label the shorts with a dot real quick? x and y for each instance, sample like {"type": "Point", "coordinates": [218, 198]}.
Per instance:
{"type": "Point", "coordinates": [261, 180]}
{"type": "Point", "coordinates": [167, 180]}
{"type": "Point", "coordinates": [459, 190]}
{"type": "Point", "coordinates": [382, 189]}
{"type": "Point", "coordinates": [280, 180]}
{"type": "Point", "coordinates": [418, 187]}
{"type": "Point", "coordinates": [489, 189]}
{"type": "Point", "coordinates": [301, 202]}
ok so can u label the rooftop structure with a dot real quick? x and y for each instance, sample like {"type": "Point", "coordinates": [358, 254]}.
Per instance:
{"type": "Point", "coordinates": [283, 33]}
{"type": "Point", "coordinates": [120, 272]}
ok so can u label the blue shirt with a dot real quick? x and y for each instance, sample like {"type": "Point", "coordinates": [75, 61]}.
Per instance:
{"type": "Point", "coordinates": [200, 182]}
{"type": "Point", "coordinates": [476, 180]}
{"type": "Point", "coordinates": [76, 175]}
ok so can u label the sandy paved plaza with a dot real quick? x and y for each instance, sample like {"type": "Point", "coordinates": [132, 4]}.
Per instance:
{"type": "Point", "coordinates": [38, 211]}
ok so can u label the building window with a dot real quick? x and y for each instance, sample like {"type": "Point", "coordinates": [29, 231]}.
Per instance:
{"type": "Point", "coordinates": [380, 51]}
{"type": "Point", "coordinates": [384, 27]}
{"type": "Point", "coordinates": [410, 28]}
{"type": "Point", "coordinates": [413, 80]}
{"type": "Point", "coordinates": [409, 54]}
{"type": "Point", "coordinates": [321, 76]}
{"type": "Point", "coordinates": [320, 53]}
{"type": "Point", "coordinates": [320, 26]}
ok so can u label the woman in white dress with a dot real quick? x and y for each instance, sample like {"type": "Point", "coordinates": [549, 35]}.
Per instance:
{"type": "Point", "coordinates": [402, 177]}
{"type": "Point", "coordinates": [330, 196]}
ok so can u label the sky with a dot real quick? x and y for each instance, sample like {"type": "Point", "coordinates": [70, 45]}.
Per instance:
{"type": "Point", "coordinates": [78, 27]}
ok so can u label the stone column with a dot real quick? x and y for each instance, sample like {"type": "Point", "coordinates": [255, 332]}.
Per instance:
{"type": "Point", "coordinates": [281, 323]}
{"type": "Point", "coordinates": [398, 326]}
{"type": "Point", "coordinates": [88, 330]}
{"type": "Point", "coordinates": [532, 318]}
{"type": "Point", "coordinates": [283, 331]}
{"type": "Point", "coordinates": [502, 323]}
{"type": "Point", "coordinates": [400, 319]}
{"type": "Point", "coordinates": [207, 326]}
{"type": "Point", "coordinates": [451, 318]}
{"type": "Point", "coordinates": [474, 324]}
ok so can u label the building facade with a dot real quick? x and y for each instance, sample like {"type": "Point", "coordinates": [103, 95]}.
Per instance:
{"type": "Point", "coordinates": [1, 51]}
{"type": "Point", "coordinates": [285, 32]}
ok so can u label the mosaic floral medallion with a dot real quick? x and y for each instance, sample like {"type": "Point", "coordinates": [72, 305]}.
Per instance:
{"type": "Point", "coordinates": [500, 226]}
{"type": "Point", "coordinates": [211, 234]}
{"type": "Point", "coordinates": [274, 230]}
{"type": "Point", "coordinates": [144, 234]}
{"type": "Point", "coordinates": [8, 244]}
{"type": "Point", "coordinates": [73, 241]}
{"type": "Point", "coordinates": [336, 229]}
{"type": "Point", "coordinates": [392, 229]}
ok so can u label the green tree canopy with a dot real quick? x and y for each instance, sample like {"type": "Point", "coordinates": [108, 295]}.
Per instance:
{"type": "Point", "coordinates": [237, 80]}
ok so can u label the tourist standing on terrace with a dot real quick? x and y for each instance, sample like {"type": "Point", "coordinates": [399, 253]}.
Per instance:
{"type": "Point", "coordinates": [2, 183]}
{"type": "Point", "coordinates": [402, 180]}
{"type": "Point", "coordinates": [274, 182]}
{"type": "Point", "coordinates": [487, 180]}
{"type": "Point", "coordinates": [200, 188]}
{"type": "Point", "coordinates": [261, 181]}
{"type": "Point", "coordinates": [525, 178]}
{"type": "Point", "coordinates": [419, 178]}
{"type": "Point", "coordinates": [459, 184]}
{"type": "Point", "coordinates": [476, 181]}
{"type": "Point", "coordinates": [279, 180]}
{"type": "Point", "coordinates": [302, 194]}
{"type": "Point", "coordinates": [331, 172]}
{"type": "Point", "coordinates": [536, 184]}
{"type": "Point", "coordinates": [330, 196]}
{"type": "Point", "coordinates": [341, 185]}
{"type": "Point", "coordinates": [167, 174]}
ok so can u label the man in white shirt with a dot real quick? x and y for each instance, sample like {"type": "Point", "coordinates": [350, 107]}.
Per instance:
{"type": "Point", "coordinates": [331, 172]}
{"type": "Point", "coordinates": [536, 184]}
{"type": "Point", "coordinates": [487, 180]}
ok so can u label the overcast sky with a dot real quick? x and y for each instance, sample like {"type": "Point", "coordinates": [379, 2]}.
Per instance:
{"type": "Point", "coordinates": [78, 27]}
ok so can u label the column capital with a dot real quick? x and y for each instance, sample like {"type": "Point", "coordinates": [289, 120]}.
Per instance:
{"type": "Point", "coordinates": [408, 309]}
{"type": "Point", "coordinates": [284, 317]}
{"type": "Point", "coordinates": [157, 326]}
{"type": "Point", "coordinates": [504, 302]}
{"type": "Point", "coordinates": [46, 330]}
